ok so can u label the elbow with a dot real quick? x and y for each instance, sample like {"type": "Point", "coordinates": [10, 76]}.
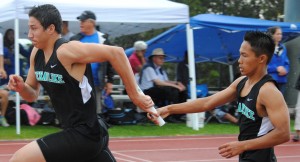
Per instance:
{"type": "Point", "coordinates": [117, 53]}
{"type": "Point", "coordinates": [284, 136]}
{"type": "Point", "coordinates": [287, 136]}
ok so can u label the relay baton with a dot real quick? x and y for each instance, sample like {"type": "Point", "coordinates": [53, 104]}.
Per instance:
{"type": "Point", "coordinates": [160, 120]}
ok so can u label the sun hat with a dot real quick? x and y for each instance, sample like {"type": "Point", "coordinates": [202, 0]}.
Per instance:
{"type": "Point", "coordinates": [157, 52]}
{"type": "Point", "coordinates": [140, 45]}
{"type": "Point", "coordinates": [86, 15]}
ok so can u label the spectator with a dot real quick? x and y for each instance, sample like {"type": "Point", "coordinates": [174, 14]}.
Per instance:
{"type": "Point", "coordinates": [66, 33]}
{"type": "Point", "coordinates": [89, 34]}
{"type": "Point", "coordinates": [3, 93]}
{"type": "Point", "coordinates": [137, 59]}
{"type": "Point", "coordinates": [222, 114]}
{"type": "Point", "coordinates": [279, 68]}
{"type": "Point", "coordinates": [9, 55]}
{"type": "Point", "coordinates": [154, 82]}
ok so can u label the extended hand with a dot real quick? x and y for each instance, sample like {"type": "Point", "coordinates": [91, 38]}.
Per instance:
{"type": "Point", "coordinates": [231, 149]}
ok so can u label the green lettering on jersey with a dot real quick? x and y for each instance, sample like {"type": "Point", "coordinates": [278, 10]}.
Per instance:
{"type": "Point", "coordinates": [242, 108]}
{"type": "Point", "coordinates": [49, 77]}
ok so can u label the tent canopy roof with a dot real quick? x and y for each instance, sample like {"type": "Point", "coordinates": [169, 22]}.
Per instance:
{"type": "Point", "coordinates": [115, 17]}
{"type": "Point", "coordinates": [217, 38]}
{"type": "Point", "coordinates": [235, 23]}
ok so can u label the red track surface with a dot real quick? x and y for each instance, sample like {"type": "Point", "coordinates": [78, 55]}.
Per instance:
{"type": "Point", "coordinates": [169, 149]}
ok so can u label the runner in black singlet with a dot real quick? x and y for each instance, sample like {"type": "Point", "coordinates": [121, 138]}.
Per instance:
{"type": "Point", "coordinates": [251, 124]}
{"type": "Point", "coordinates": [264, 118]}
{"type": "Point", "coordinates": [63, 69]}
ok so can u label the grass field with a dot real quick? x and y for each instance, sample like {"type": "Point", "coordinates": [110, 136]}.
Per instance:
{"type": "Point", "coordinates": [170, 129]}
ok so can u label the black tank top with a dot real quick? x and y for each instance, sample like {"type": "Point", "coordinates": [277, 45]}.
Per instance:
{"type": "Point", "coordinates": [251, 125]}
{"type": "Point", "coordinates": [73, 103]}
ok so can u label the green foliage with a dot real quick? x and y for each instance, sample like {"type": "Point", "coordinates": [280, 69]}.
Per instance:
{"type": "Point", "coordinates": [269, 9]}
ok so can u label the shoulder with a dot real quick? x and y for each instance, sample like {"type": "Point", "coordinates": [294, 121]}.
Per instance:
{"type": "Point", "coordinates": [238, 80]}
{"type": "Point", "coordinates": [69, 49]}
{"type": "Point", "coordinates": [269, 91]}
{"type": "Point", "coordinates": [33, 53]}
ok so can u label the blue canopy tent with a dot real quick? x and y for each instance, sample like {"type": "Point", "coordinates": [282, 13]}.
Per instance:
{"type": "Point", "coordinates": [217, 38]}
{"type": "Point", "coordinates": [213, 38]}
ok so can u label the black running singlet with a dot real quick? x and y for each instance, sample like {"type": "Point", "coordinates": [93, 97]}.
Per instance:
{"type": "Point", "coordinates": [73, 102]}
{"type": "Point", "coordinates": [251, 125]}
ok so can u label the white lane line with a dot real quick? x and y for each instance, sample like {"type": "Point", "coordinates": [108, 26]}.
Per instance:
{"type": "Point", "coordinates": [131, 157]}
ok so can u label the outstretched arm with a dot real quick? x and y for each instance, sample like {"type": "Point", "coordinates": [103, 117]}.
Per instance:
{"type": "Point", "coordinates": [200, 104]}
{"type": "Point", "coordinates": [82, 53]}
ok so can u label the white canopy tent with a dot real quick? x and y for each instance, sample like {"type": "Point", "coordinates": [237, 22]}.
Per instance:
{"type": "Point", "coordinates": [116, 17]}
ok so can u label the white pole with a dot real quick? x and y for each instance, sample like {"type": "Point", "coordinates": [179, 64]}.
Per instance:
{"type": "Point", "coordinates": [231, 73]}
{"type": "Point", "coordinates": [17, 71]}
{"type": "Point", "coordinates": [191, 58]}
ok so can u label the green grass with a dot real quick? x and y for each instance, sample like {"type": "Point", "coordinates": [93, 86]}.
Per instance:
{"type": "Point", "coordinates": [170, 129]}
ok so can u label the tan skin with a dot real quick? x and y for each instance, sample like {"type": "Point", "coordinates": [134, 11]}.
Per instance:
{"type": "Point", "coordinates": [74, 56]}
{"type": "Point", "coordinates": [270, 102]}
{"type": "Point", "coordinates": [159, 60]}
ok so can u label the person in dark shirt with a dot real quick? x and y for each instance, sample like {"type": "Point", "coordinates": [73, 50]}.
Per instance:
{"type": "Point", "coordinates": [264, 119]}
{"type": "Point", "coordinates": [63, 69]}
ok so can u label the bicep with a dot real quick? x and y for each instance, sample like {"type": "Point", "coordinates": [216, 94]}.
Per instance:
{"type": "Point", "coordinates": [77, 52]}
{"type": "Point", "coordinates": [275, 105]}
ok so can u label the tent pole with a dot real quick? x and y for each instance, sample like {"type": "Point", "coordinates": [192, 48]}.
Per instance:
{"type": "Point", "coordinates": [191, 60]}
{"type": "Point", "coordinates": [17, 72]}
{"type": "Point", "coordinates": [231, 73]}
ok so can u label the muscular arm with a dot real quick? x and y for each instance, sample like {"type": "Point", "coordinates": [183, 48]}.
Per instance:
{"type": "Point", "coordinates": [202, 104]}
{"type": "Point", "coordinates": [270, 102]}
{"type": "Point", "coordinates": [276, 109]}
{"type": "Point", "coordinates": [81, 53]}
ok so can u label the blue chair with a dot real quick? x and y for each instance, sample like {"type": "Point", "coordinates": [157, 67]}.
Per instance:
{"type": "Point", "coordinates": [201, 90]}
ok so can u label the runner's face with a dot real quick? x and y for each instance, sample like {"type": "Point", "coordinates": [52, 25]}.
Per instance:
{"type": "Point", "coordinates": [248, 61]}
{"type": "Point", "coordinates": [36, 33]}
